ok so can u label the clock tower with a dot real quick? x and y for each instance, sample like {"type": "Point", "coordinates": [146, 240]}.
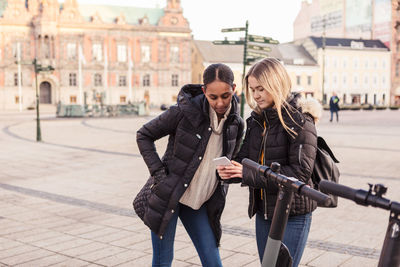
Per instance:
{"type": "Point", "coordinates": [173, 15]}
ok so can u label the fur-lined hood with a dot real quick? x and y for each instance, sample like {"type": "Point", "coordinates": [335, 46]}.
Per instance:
{"type": "Point", "coordinates": [310, 106]}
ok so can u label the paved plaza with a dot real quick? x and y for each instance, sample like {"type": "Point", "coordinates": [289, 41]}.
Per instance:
{"type": "Point", "coordinates": [67, 201]}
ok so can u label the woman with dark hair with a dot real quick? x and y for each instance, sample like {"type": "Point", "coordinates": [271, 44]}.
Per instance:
{"type": "Point", "coordinates": [281, 129]}
{"type": "Point", "coordinates": [203, 125]}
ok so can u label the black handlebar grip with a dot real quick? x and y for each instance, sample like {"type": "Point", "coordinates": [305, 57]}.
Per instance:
{"type": "Point", "coordinates": [321, 198]}
{"type": "Point", "coordinates": [338, 190]}
{"type": "Point", "coordinates": [251, 164]}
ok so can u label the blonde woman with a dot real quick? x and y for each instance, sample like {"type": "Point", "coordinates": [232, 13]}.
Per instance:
{"type": "Point", "coordinates": [277, 131]}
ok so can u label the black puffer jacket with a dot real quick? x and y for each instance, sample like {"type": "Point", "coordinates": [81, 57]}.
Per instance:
{"type": "Point", "coordinates": [295, 155]}
{"type": "Point", "coordinates": [188, 127]}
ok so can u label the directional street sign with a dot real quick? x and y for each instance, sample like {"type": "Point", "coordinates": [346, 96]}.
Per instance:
{"type": "Point", "coordinates": [239, 29]}
{"type": "Point", "coordinates": [253, 50]}
{"type": "Point", "coordinates": [249, 61]}
{"type": "Point", "coordinates": [256, 55]}
{"type": "Point", "coordinates": [226, 42]}
{"type": "Point", "coordinates": [261, 39]}
{"type": "Point", "coordinates": [259, 48]}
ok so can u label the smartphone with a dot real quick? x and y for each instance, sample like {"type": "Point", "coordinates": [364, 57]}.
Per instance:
{"type": "Point", "coordinates": [222, 161]}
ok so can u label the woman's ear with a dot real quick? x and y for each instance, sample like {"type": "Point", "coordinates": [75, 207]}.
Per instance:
{"type": "Point", "coordinates": [234, 87]}
{"type": "Point", "coordinates": [203, 89]}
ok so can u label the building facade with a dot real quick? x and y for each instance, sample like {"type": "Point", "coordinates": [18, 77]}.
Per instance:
{"type": "Point", "coordinates": [358, 71]}
{"type": "Point", "coordinates": [303, 70]}
{"type": "Point", "coordinates": [104, 54]}
{"type": "Point", "coordinates": [365, 19]}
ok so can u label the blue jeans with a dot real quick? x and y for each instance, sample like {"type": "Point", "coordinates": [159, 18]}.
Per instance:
{"type": "Point", "coordinates": [197, 226]}
{"type": "Point", "coordinates": [295, 237]}
{"type": "Point", "coordinates": [337, 115]}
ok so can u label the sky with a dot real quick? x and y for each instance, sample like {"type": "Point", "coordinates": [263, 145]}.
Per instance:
{"type": "Point", "coordinates": [207, 17]}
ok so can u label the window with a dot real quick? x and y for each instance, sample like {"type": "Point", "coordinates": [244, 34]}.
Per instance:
{"type": "Point", "coordinates": [145, 53]}
{"type": "Point", "coordinates": [72, 79]}
{"type": "Point", "coordinates": [15, 50]}
{"type": "Point", "coordinates": [71, 51]}
{"type": "Point", "coordinates": [355, 79]}
{"type": "Point", "coordinates": [309, 80]}
{"type": "Point", "coordinates": [122, 99]}
{"type": "Point", "coordinates": [344, 79]}
{"type": "Point", "coordinates": [174, 54]}
{"type": "Point", "coordinates": [366, 63]}
{"type": "Point", "coordinates": [355, 63]}
{"type": "Point", "coordinates": [298, 80]}
{"type": "Point", "coordinates": [384, 62]}
{"type": "Point", "coordinates": [383, 80]}
{"type": "Point", "coordinates": [16, 79]}
{"type": "Point", "coordinates": [121, 50]}
{"type": "Point", "coordinates": [98, 81]}
{"type": "Point", "coordinates": [344, 62]}
{"type": "Point", "coordinates": [122, 81]}
{"type": "Point", "coordinates": [146, 80]}
{"type": "Point", "coordinates": [375, 79]}
{"type": "Point", "coordinates": [366, 80]}
{"type": "Point", "coordinates": [174, 80]}
{"type": "Point", "coordinates": [97, 52]}
{"type": "Point", "coordinates": [334, 79]}
{"type": "Point", "coordinates": [72, 99]}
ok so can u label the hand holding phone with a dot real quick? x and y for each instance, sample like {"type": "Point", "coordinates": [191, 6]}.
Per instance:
{"type": "Point", "coordinates": [222, 161]}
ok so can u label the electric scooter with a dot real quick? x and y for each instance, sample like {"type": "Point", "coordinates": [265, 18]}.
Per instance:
{"type": "Point", "coordinates": [390, 254]}
{"type": "Point", "coordinates": [276, 253]}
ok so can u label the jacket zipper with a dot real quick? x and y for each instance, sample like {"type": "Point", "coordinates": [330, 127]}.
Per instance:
{"type": "Point", "coordinates": [259, 154]}
{"type": "Point", "coordinates": [300, 148]}
{"type": "Point", "coordinates": [265, 146]}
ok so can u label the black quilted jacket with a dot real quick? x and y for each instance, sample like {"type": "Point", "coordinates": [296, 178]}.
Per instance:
{"type": "Point", "coordinates": [295, 155]}
{"type": "Point", "coordinates": [188, 127]}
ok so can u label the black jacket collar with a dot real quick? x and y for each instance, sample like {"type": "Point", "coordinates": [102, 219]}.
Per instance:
{"type": "Point", "coordinates": [194, 104]}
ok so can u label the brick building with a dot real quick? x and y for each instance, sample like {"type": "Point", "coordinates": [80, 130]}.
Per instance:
{"type": "Point", "coordinates": [121, 53]}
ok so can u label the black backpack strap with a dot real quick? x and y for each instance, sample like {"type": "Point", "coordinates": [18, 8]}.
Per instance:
{"type": "Point", "coordinates": [323, 145]}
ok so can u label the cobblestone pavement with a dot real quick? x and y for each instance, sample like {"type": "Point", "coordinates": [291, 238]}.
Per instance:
{"type": "Point", "coordinates": [66, 201]}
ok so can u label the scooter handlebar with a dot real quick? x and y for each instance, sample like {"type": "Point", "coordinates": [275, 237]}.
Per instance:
{"type": "Point", "coordinates": [294, 185]}
{"type": "Point", "coordinates": [321, 198]}
{"type": "Point", "coordinates": [338, 190]}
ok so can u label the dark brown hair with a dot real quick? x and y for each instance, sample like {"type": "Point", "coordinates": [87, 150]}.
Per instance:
{"type": "Point", "coordinates": [218, 72]}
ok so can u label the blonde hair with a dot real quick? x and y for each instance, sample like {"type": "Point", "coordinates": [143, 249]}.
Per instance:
{"type": "Point", "coordinates": [273, 77]}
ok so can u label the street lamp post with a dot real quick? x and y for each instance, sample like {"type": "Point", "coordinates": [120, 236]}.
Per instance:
{"type": "Point", "coordinates": [38, 68]}
{"type": "Point", "coordinates": [242, 97]}
{"type": "Point", "coordinates": [38, 131]}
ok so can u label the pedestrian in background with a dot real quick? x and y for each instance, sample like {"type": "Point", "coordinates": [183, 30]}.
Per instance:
{"type": "Point", "coordinates": [334, 106]}
{"type": "Point", "coordinates": [204, 124]}
{"type": "Point", "coordinates": [277, 131]}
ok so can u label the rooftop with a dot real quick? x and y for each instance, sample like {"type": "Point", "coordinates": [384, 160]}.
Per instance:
{"type": "Point", "coordinates": [345, 42]}
{"type": "Point", "coordinates": [132, 14]}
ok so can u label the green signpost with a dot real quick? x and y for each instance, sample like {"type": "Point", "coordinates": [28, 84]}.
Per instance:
{"type": "Point", "coordinates": [253, 49]}
{"type": "Point", "coordinates": [37, 68]}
